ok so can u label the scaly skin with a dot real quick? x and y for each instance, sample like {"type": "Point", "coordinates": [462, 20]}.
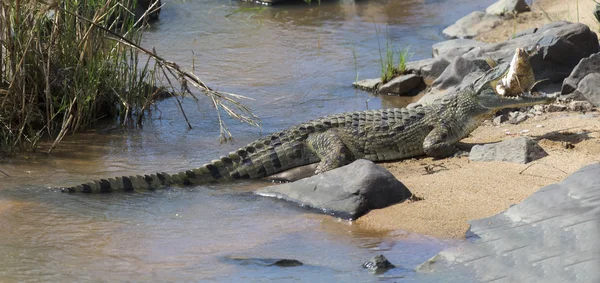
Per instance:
{"type": "Point", "coordinates": [336, 140]}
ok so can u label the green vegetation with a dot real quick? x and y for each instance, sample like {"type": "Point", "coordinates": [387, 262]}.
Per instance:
{"type": "Point", "coordinates": [67, 64]}
{"type": "Point", "coordinates": [388, 67]}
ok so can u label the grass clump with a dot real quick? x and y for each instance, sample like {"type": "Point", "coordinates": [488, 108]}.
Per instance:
{"type": "Point", "coordinates": [389, 67]}
{"type": "Point", "coordinates": [65, 65]}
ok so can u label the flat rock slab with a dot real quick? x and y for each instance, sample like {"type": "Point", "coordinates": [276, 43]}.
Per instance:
{"type": "Point", "coordinates": [368, 84]}
{"type": "Point", "coordinates": [472, 25]}
{"type": "Point", "coordinates": [519, 150]}
{"type": "Point", "coordinates": [349, 191]}
{"type": "Point", "coordinates": [552, 236]}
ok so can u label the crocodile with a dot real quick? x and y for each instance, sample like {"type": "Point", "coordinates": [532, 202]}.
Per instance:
{"type": "Point", "coordinates": [336, 140]}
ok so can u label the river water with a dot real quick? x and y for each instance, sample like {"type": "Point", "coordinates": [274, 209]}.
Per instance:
{"type": "Point", "coordinates": [296, 62]}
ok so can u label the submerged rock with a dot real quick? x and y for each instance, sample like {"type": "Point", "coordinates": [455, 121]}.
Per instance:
{"type": "Point", "coordinates": [281, 262]}
{"type": "Point", "coordinates": [519, 150]}
{"type": "Point", "coordinates": [378, 264]}
{"type": "Point", "coordinates": [349, 191]}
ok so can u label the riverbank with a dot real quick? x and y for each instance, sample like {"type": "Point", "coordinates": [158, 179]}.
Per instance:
{"type": "Point", "coordinates": [455, 190]}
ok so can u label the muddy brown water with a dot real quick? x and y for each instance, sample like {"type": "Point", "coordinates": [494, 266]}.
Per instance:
{"type": "Point", "coordinates": [297, 63]}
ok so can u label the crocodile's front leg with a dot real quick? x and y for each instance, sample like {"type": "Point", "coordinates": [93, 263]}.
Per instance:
{"type": "Point", "coordinates": [331, 150]}
{"type": "Point", "coordinates": [436, 143]}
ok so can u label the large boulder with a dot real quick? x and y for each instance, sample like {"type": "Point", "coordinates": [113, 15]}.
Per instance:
{"type": "Point", "coordinates": [585, 80]}
{"type": "Point", "coordinates": [507, 7]}
{"type": "Point", "coordinates": [472, 25]}
{"type": "Point", "coordinates": [552, 236]}
{"type": "Point", "coordinates": [561, 46]}
{"type": "Point", "coordinates": [349, 191]}
{"type": "Point", "coordinates": [428, 69]}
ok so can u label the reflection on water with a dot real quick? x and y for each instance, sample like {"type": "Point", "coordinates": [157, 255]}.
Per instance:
{"type": "Point", "coordinates": [297, 63]}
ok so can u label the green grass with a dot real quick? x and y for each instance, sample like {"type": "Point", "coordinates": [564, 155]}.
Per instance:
{"type": "Point", "coordinates": [389, 67]}
{"type": "Point", "coordinates": [65, 65]}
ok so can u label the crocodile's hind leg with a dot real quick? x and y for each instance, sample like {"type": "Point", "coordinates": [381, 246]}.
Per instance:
{"type": "Point", "coordinates": [331, 150]}
{"type": "Point", "coordinates": [436, 143]}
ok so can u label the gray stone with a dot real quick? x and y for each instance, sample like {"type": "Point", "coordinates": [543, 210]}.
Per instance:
{"type": "Point", "coordinates": [582, 106]}
{"type": "Point", "coordinates": [281, 262]}
{"type": "Point", "coordinates": [428, 69]}
{"type": "Point", "coordinates": [456, 72]}
{"type": "Point", "coordinates": [349, 191]}
{"type": "Point", "coordinates": [507, 7]}
{"type": "Point", "coordinates": [517, 118]}
{"type": "Point", "coordinates": [556, 108]}
{"type": "Point", "coordinates": [455, 47]}
{"type": "Point", "coordinates": [561, 46]}
{"type": "Point", "coordinates": [500, 119]}
{"type": "Point", "coordinates": [552, 236]}
{"type": "Point", "coordinates": [585, 79]}
{"type": "Point", "coordinates": [518, 150]}
{"type": "Point", "coordinates": [401, 84]}
{"type": "Point", "coordinates": [378, 264]}
{"type": "Point", "coordinates": [368, 84]}
{"type": "Point", "coordinates": [472, 25]}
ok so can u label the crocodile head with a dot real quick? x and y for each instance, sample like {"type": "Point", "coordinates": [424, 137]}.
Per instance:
{"type": "Point", "coordinates": [485, 91]}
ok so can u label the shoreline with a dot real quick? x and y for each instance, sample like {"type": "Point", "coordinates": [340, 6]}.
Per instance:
{"type": "Point", "coordinates": [456, 191]}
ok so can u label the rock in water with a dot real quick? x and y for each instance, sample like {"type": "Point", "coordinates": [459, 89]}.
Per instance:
{"type": "Point", "coordinates": [378, 264]}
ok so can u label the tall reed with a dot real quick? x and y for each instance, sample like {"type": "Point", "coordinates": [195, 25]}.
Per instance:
{"type": "Point", "coordinates": [65, 65]}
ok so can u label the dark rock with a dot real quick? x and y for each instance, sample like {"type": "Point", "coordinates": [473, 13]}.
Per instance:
{"type": "Point", "coordinates": [517, 118]}
{"type": "Point", "coordinates": [472, 25]}
{"type": "Point", "coordinates": [401, 84]}
{"type": "Point", "coordinates": [561, 46]}
{"type": "Point", "coordinates": [500, 119]}
{"type": "Point", "coordinates": [582, 106]}
{"type": "Point", "coordinates": [507, 7]}
{"type": "Point", "coordinates": [585, 79]}
{"type": "Point", "coordinates": [460, 67]}
{"type": "Point", "coordinates": [428, 69]}
{"type": "Point", "coordinates": [295, 174]}
{"type": "Point", "coordinates": [455, 47]}
{"type": "Point", "coordinates": [518, 150]}
{"type": "Point", "coordinates": [552, 236]}
{"type": "Point", "coordinates": [378, 264]}
{"type": "Point", "coordinates": [556, 108]}
{"type": "Point", "coordinates": [368, 84]}
{"type": "Point", "coordinates": [349, 191]}
{"type": "Point", "coordinates": [281, 262]}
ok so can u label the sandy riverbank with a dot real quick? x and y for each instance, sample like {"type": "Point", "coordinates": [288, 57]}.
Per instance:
{"type": "Point", "coordinates": [456, 190]}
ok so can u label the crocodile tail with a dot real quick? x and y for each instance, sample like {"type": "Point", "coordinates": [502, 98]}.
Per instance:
{"type": "Point", "coordinates": [216, 170]}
